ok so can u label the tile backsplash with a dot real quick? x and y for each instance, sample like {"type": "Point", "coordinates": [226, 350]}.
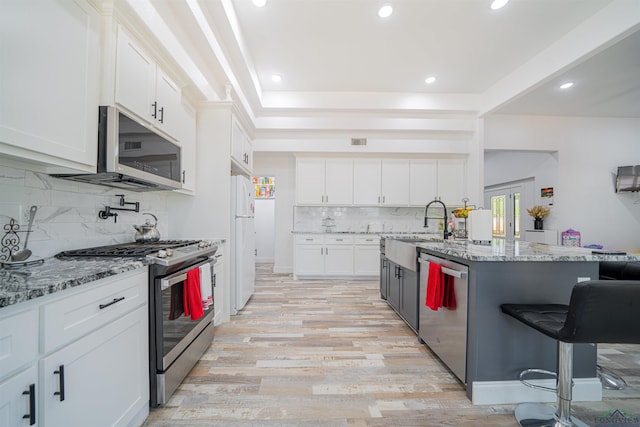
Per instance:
{"type": "Point", "coordinates": [360, 219]}
{"type": "Point", "coordinates": [67, 216]}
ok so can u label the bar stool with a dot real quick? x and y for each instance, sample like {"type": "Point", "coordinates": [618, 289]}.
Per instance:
{"type": "Point", "coordinates": [600, 311]}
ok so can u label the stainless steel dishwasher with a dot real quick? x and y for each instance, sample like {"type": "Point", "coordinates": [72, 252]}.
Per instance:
{"type": "Point", "coordinates": [445, 330]}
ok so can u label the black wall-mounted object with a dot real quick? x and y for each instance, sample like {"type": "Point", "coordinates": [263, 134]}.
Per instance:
{"type": "Point", "coordinates": [628, 179]}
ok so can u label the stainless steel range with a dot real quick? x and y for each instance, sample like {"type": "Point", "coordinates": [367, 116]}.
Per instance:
{"type": "Point", "coordinates": [176, 342]}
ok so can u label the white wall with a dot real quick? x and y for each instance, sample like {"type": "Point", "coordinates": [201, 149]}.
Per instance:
{"type": "Point", "coordinates": [67, 216]}
{"type": "Point", "coordinates": [588, 152]}
{"type": "Point", "coordinates": [282, 167]}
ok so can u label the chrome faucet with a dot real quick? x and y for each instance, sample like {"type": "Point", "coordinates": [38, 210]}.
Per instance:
{"type": "Point", "coordinates": [444, 218]}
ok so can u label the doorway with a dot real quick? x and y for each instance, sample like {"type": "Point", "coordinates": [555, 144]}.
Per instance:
{"type": "Point", "coordinates": [506, 201]}
{"type": "Point", "coordinates": [265, 208]}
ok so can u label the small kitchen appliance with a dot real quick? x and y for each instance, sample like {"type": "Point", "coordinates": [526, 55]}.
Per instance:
{"type": "Point", "coordinates": [480, 230]}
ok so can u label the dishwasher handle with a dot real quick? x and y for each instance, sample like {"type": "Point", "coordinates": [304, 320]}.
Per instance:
{"type": "Point", "coordinates": [454, 273]}
{"type": "Point", "coordinates": [448, 271]}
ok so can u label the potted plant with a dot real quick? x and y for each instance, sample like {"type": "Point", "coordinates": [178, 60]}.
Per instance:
{"type": "Point", "coordinates": [538, 213]}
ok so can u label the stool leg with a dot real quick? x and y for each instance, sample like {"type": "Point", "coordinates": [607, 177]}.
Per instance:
{"type": "Point", "coordinates": [565, 386]}
{"type": "Point", "coordinates": [565, 382]}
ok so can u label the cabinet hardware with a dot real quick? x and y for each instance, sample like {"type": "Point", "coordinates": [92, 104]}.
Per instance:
{"type": "Point", "coordinates": [321, 251]}
{"type": "Point", "coordinates": [60, 372]}
{"type": "Point", "coordinates": [115, 300]}
{"type": "Point", "coordinates": [378, 199]}
{"type": "Point", "coordinates": [383, 198]}
{"type": "Point", "coordinates": [31, 416]}
{"type": "Point", "coordinates": [155, 110]}
{"type": "Point", "coordinates": [162, 115]}
{"type": "Point", "coordinates": [309, 240]}
{"type": "Point", "coordinates": [183, 175]}
{"type": "Point", "coordinates": [326, 251]}
{"type": "Point", "coordinates": [215, 280]}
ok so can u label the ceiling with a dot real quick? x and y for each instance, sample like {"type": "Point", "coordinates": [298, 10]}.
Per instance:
{"type": "Point", "coordinates": [339, 57]}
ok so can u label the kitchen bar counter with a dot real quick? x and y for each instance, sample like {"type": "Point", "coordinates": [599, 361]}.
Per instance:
{"type": "Point", "coordinates": [498, 348]}
{"type": "Point", "coordinates": [55, 275]}
{"type": "Point", "coordinates": [507, 250]}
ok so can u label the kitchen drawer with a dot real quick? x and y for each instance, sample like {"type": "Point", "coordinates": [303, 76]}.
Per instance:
{"type": "Point", "coordinates": [18, 340]}
{"type": "Point", "coordinates": [340, 239]}
{"type": "Point", "coordinates": [70, 318]}
{"type": "Point", "coordinates": [309, 239]}
{"type": "Point", "coordinates": [372, 239]}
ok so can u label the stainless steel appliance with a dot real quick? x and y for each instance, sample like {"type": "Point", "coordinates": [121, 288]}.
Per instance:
{"type": "Point", "coordinates": [445, 330]}
{"type": "Point", "coordinates": [132, 155]}
{"type": "Point", "coordinates": [176, 342]}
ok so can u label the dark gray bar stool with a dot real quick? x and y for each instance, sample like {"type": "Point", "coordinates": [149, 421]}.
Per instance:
{"type": "Point", "coordinates": [600, 311]}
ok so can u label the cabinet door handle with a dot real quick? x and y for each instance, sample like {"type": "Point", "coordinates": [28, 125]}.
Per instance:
{"type": "Point", "coordinates": [31, 416]}
{"type": "Point", "coordinates": [383, 198]}
{"type": "Point", "coordinates": [155, 109]}
{"type": "Point", "coordinates": [326, 251]}
{"type": "Point", "coordinates": [321, 251]}
{"type": "Point", "coordinates": [115, 300]}
{"type": "Point", "coordinates": [60, 372]}
{"type": "Point", "coordinates": [162, 115]}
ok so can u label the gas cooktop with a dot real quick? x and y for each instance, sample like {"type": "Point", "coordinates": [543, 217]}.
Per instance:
{"type": "Point", "coordinates": [133, 249]}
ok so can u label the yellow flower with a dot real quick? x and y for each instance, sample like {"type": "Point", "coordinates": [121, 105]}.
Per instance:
{"type": "Point", "coordinates": [538, 212]}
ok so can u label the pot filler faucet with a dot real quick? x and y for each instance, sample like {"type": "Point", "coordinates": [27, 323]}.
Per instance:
{"type": "Point", "coordinates": [444, 218]}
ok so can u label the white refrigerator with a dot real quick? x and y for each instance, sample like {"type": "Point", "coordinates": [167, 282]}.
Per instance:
{"type": "Point", "coordinates": [243, 242]}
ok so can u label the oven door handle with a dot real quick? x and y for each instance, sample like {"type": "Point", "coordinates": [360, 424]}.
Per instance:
{"type": "Point", "coordinates": [180, 276]}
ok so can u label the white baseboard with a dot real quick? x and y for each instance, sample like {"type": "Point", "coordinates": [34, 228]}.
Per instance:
{"type": "Point", "coordinates": [282, 270]}
{"type": "Point", "coordinates": [511, 392]}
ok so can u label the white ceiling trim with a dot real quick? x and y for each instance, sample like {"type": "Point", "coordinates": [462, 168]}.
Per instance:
{"type": "Point", "coordinates": [598, 32]}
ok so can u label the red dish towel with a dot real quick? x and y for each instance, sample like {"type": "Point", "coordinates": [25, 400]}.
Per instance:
{"type": "Point", "coordinates": [192, 298]}
{"type": "Point", "coordinates": [435, 288]}
{"type": "Point", "coordinates": [449, 299]}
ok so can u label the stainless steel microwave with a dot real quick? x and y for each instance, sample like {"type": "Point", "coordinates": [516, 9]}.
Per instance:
{"type": "Point", "coordinates": [132, 155]}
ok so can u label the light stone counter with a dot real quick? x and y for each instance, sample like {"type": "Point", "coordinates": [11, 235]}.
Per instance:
{"type": "Point", "coordinates": [507, 250]}
{"type": "Point", "coordinates": [55, 275]}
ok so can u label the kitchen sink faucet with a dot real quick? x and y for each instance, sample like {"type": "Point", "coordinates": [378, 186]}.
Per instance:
{"type": "Point", "coordinates": [444, 218]}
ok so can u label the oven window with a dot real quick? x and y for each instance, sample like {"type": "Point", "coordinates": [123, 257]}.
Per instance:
{"type": "Point", "coordinates": [175, 325]}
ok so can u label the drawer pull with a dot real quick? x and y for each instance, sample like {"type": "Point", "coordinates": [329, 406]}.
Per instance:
{"type": "Point", "coordinates": [115, 300]}
{"type": "Point", "coordinates": [309, 240]}
{"type": "Point", "coordinates": [31, 416]}
{"type": "Point", "coordinates": [60, 372]}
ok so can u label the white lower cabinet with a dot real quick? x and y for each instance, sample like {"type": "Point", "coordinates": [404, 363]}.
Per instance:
{"type": "Point", "coordinates": [99, 379]}
{"type": "Point", "coordinates": [336, 255]}
{"type": "Point", "coordinates": [366, 260]}
{"type": "Point", "coordinates": [19, 399]}
{"type": "Point", "coordinates": [78, 357]}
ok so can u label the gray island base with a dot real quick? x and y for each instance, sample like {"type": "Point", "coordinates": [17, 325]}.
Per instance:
{"type": "Point", "coordinates": [498, 347]}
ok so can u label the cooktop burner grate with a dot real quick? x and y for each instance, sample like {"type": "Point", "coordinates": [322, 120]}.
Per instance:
{"type": "Point", "coordinates": [126, 249]}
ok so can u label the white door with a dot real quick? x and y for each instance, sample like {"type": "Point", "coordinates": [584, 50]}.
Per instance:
{"type": "Point", "coordinates": [244, 197]}
{"type": "Point", "coordinates": [338, 181]}
{"type": "Point", "coordinates": [505, 203]}
{"type": "Point", "coordinates": [366, 182]}
{"type": "Point", "coordinates": [265, 230]}
{"type": "Point", "coordinates": [15, 404]}
{"type": "Point", "coordinates": [310, 181]}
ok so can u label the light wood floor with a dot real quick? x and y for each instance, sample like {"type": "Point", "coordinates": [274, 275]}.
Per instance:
{"type": "Point", "coordinates": [331, 353]}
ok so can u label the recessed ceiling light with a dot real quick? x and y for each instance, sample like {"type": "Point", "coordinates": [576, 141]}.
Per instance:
{"type": "Point", "coordinates": [259, 3]}
{"type": "Point", "coordinates": [566, 85]}
{"type": "Point", "coordinates": [430, 80]}
{"type": "Point", "coordinates": [276, 78]}
{"type": "Point", "coordinates": [385, 11]}
{"type": "Point", "coordinates": [497, 4]}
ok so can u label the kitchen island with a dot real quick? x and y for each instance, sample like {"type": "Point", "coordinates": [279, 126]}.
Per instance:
{"type": "Point", "coordinates": [497, 348]}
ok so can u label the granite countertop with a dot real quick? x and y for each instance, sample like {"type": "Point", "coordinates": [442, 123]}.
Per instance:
{"type": "Point", "coordinates": [386, 234]}
{"type": "Point", "coordinates": [56, 275]}
{"type": "Point", "coordinates": [508, 250]}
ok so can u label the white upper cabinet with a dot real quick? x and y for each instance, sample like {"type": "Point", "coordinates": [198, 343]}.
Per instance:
{"type": "Point", "coordinates": [187, 141]}
{"type": "Point", "coordinates": [50, 83]}
{"type": "Point", "coordinates": [443, 178]}
{"type": "Point", "coordinates": [143, 88]}
{"type": "Point", "coordinates": [324, 181]}
{"type": "Point", "coordinates": [395, 182]}
{"type": "Point", "coordinates": [452, 181]}
{"type": "Point", "coordinates": [381, 182]}
{"type": "Point", "coordinates": [424, 181]}
{"type": "Point", "coordinates": [241, 149]}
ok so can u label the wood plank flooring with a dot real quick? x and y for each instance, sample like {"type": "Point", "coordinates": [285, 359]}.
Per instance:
{"type": "Point", "coordinates": [332, 353]}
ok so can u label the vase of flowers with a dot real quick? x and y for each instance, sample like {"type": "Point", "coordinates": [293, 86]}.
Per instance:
{"type": "Point", "coordinates": [538, 213]}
